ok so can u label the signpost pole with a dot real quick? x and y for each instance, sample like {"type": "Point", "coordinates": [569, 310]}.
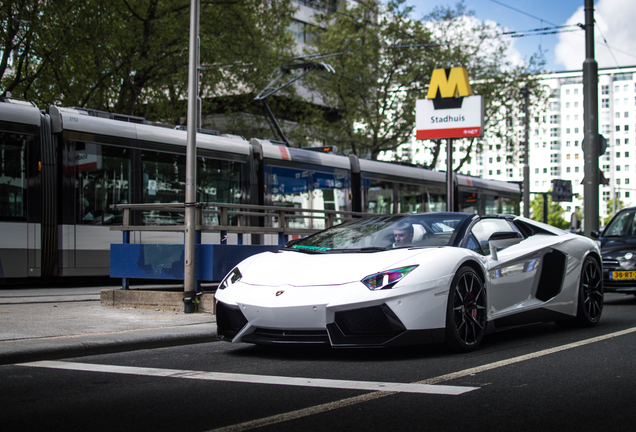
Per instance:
{"type": "Point", "coordinates": [450, 198]}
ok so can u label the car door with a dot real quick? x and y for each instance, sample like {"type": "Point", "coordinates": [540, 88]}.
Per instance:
{"type": "Point", "coordinates": [511, 271]}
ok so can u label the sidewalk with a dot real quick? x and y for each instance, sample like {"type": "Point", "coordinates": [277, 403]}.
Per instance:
{"type": "Point", "coordinates": [45, 324]}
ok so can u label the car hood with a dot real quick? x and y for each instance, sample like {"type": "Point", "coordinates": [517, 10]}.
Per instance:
{"type": "Point", "coordinates": [310, 269]}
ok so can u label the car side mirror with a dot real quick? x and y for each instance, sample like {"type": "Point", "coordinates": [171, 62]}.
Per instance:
{"type": "Point", "coordinates": [595, 234]}
{"type": "Point", "coordinates": [503, 239]}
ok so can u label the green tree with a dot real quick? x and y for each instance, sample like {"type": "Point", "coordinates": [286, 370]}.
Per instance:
{"type": "Point", "coordinates": [385, 65]}
{"type": "Point", "coordinates": [384, 57]}
{"type": "Point", "coordinates": [119, 55]}
{"type": "Point", "coordinates": [555, 211]}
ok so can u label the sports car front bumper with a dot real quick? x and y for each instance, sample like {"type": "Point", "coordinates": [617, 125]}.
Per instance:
{"type": "Point", "coordinates": [368, 326]}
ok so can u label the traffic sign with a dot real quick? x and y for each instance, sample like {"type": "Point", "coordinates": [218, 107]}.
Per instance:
{"type": "Point", "coordinates": [561, 190]}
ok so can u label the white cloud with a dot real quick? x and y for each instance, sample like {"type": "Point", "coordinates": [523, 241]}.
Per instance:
{"type": "Point", "coordinates": [616, 20]}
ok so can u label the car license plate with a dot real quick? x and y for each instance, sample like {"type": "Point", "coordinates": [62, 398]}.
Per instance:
{"type": "Point", "coordinates": [623, 275]}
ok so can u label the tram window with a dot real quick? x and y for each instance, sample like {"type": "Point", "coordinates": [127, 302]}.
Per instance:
{"type": "Point", "coordinates": [492, 205]}
{"type": "Point", "coordinates": [102, 175]}
{"type": "Point", "coordinates": [164, 182]}
{"type": "Point", "coordinates": [509, 205]}
{"type": "Point", "coordinates": [469, 202]}
{"type": "Point", "coordinates": [378, 196]}
{"type": "Point", "coordinates": [218, 181]}
{"type": "Point", "coordinates": [13, 175]}
{"type": "Point", "coordinates": [436, 202]}
{"type": "Point", "coordinates": [410, 198]}
{"type": "Point", "coordinates": [290, 188]}
{"type": "Point", "coordinates": [329, 193]}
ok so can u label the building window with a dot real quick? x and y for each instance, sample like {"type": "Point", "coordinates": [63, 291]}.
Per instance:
{"type": "Point", "coordinates": [626, 128]}
{"type": "Point", "coordinates": [626, 114]}
{"type": "Point", "coordinates": [576, 156]}
{"type": "Point", "coordinates": [626, 181]}
{"type": "Point", "coordinates": [617, 115]}
{"type": "Point", "coordinates": [536, 170]}
{"type": "Point", "coordinates": [567, 157]}
{"type": "Point", "coordinates": [604, 103]}
{"type": "Point", "coordinates": [618, 168]}
{"type": "Point", "coordinates": [576, 91]}
{"type": "Point", "coordinates": [567, 130]}
{"type": "Point", "coordinates": [618, 141]}
{"type": "Point", "coordinates": [545, 170]}
{"type": "Point", "coordinates": [567, 169]}
{"type": "Point", "coordinates": [567, 143]}
{"type": "Point", "coordinates": [554, 119]}
{"type": "Point", "coordinates": [567, 105]}
{"type": "Point", "coordinates": [618, 181]}
{"type": "Point", "coordinates": [498, 172]}
{"type": "Point", "coordinates": [554, 158]}
{"type": "Point", "coordinates": [626, 154]}
{"type": "Point", "coordinates": [618, 128]}
{"type": "Point", "coordinates": [509, 172]}
{"type": "Point", "coordinates": [567, 92]}
{"type": "Point", "coordinates": [489, 172]}
{"type": "Point", "coordinates": [626, 141]}
{"type": "Point", "coordinates": [576, 104]}
{"type": "Point", "coordinates": [554, 132]}
{"type": "Point", "coordinates": [626, 194]}
{"type": "Point", "coordinates": [576, 130]}
{"type": "Point", "coordinates": [618, 154]}
{"type": "Point", "coordinates": [555, 171]}
{"type": "Point", "coordinates": [604, 89]}
{"type": "Point", "coordinates": [576, 169]}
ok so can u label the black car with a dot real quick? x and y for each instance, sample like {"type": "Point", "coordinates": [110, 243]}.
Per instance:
{"type": "Point", "coordinates": [618, 247]}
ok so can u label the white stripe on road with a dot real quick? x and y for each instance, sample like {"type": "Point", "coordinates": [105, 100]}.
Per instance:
{"type": "Point", "coordinates": [318, 409]}
{"type": "Point", "coordinates": [258, 379]}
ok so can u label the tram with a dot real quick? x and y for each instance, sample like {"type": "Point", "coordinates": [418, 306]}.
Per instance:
{"type": "Point", "coordinates": [61, 170]}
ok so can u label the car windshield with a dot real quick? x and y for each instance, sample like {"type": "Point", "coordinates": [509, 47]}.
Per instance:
{"type": "Point", "coordinates": [386, 232]}
{"type": "Point", "coordinates": [622, 226]}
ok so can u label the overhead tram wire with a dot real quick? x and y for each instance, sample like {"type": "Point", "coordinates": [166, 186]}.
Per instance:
{"type": "Point", "coordinates": [522, 12]}
{"type": "Point", "coordinates": [608, 46]}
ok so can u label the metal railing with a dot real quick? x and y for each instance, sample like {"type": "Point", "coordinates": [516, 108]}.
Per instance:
{"type": "Point", "coordinates": [269, 219]}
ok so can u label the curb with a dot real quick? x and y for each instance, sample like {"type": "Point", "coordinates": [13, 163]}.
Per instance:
{"type": "Point", "coordinates": [24, 351]}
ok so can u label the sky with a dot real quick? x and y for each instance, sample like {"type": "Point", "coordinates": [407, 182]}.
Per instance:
{"type": "Point", "coordinates": [615, 19]}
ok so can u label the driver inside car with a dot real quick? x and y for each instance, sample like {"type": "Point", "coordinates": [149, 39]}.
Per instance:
{"type": "Point", "coordinates": [403, 235]}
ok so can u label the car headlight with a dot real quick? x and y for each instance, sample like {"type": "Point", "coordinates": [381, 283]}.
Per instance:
{"type": "Point", "coordinates": [386, 279]}
{"type": "Point", "coordinates": [231, 278]}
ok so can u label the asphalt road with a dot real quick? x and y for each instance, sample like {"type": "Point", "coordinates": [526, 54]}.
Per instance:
{"type": "Point", "coordinates": [534, 378]}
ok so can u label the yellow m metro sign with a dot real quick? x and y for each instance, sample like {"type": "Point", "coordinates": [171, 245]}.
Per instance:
{"type": "Point", "coordinates": [455, 84]}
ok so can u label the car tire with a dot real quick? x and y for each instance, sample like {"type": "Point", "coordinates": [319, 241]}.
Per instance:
{"type": "Point", "coordinates": [465, 311]}
{"type": "Point", "coordinates": [591, 296]}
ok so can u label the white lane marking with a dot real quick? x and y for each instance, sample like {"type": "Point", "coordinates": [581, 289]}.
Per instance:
{"type": "Point", "coordinates": [318, 409]}
{"type": "Point", "coordinates": [259, 379]}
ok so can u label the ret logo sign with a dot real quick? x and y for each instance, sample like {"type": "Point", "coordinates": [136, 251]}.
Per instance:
{"type": "Point", "coordinates": [450, 110]}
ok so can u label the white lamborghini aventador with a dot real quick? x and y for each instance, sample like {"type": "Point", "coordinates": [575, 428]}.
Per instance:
{"type": "Point", "coordinates": [409, 279]}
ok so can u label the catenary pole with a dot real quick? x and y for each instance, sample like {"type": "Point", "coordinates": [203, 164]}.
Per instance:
{"type": "Point", "coordinates": [526, 151]}
{"type": "Point", "coordinates": [590, 107]}
{"type": "Point", "coordinates": [191, 159]}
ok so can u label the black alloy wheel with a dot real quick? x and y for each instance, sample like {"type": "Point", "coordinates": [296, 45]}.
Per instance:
{"type": "Point", "coordinates": [590, 294]}
{"type": "Point", "coordinates": [466, 311]}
